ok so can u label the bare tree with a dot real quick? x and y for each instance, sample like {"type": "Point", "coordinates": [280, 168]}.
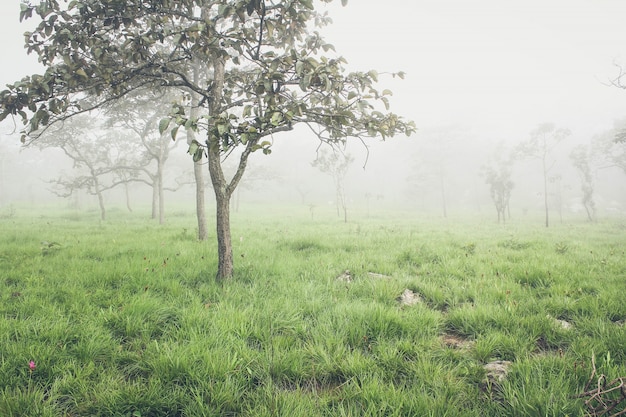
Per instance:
{"type": "Point", "coordinates": [581, 158]}
{"type": "Point", "coordinates": [540, 146]}
{"type": "Point", "coordinates": [497, 174]}
{"type": "Point", "coordinates": [336, 165]}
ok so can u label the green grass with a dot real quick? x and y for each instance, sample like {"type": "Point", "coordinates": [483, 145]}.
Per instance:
{"type": "Point", "coordinates": [124, 317]}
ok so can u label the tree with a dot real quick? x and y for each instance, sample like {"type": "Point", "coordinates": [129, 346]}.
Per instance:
{"type": "Point", "coordinates": [581, 158]}
{"type": "Point", "coordinates": [265, 73]}
{"type": "Point", "coordinates": [99, 158]}
{"type": "Point", "coordinates": [541, 144]}
{"type": "Point", "coordinates": [497, 175]}
{"type": "Point", "coordinates": [140, 114]}
{"type": "Point", "coordinates": [336, 165]}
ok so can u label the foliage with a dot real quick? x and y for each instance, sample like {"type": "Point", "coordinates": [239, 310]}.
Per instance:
{"type": "Point", "coordinates": [256, 68]}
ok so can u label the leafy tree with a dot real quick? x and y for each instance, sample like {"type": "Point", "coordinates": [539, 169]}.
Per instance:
{"type": "Point", "coordinates": [581, 158]}
{"type": "Point", "coordinates": [265, 72]}
{"type": "Point", "coordinates": [497, 174]}
{"type": "Point", "coordinates": [540, 146]}
{"type": "Point", "coordinates": [336, 165]}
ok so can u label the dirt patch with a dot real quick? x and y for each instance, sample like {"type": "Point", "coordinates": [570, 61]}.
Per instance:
{"type": "Point", "coordinates": [456, 342]}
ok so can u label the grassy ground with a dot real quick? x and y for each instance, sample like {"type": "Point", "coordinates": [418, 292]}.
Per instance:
{"type": "Point", "coordinates": [124, 318]}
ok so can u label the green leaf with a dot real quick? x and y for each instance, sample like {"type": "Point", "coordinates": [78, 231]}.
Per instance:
{"type": "Point", "coordinates": [193, 147]}
{"type": "Point", "coordinates": [174, 132]}
{"type": "Point", "coordinates": [82, 73]}
{"type": "Point", "coordinates": [163, 125]}
{"type": "Point", "coordinates": [307, 3]}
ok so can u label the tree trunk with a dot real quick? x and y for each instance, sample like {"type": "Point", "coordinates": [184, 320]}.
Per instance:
{"type": "Point", "coordinates": [203, 233]}
{"type": "Point", "coordinates": [545, 190]}
{"type": "Point", "coordinates": [155, 197]}
{"type": "Point", "coordinates": [127, 197]}
{"type": "Point", "coordinates": [221, 187]}
{"type": "Point", "coordinates": [225, 266]}
{"type": "Point", "coordinates": [161, 193]}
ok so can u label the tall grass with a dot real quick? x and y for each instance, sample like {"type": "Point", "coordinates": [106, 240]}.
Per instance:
{"type": "Point", "coordinates": [124, 317]}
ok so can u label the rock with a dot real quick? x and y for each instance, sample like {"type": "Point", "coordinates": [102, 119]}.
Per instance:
{"type": "Point", "coordinates": [409, 298]}
{"type": "Point", "coordinates": [497, 371]}
{"type": "Point", "coordinates": [377, 275]}
{"type": "Point", "coordinates": [345, 277]}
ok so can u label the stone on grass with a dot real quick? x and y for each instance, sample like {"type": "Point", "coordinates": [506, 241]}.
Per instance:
{"type": "Point", "coordinates": [497, 371]}
{"type": "Point", "coordinates": [345, 276]}
{"type": "Point", "coordinates": [408, 298]}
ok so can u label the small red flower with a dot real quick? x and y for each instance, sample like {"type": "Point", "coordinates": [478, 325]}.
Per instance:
{"type": "Point", "coordinates": [31, 366]}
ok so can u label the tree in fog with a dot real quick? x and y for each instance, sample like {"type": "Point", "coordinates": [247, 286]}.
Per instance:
{"type": "Point", "coordinates": [541, 146]}
{"type": "Point", "coordinates": [435, 156]}
{"type": "Point", "coordinates": [99, 157]}
{"type": "Point", "coordinates": [336, 165]}
{"type": "Point", "coordinates": [610, 147]}
{"type": "Point", "coordinates": [581, 159]}
{"type": "Point", "coordinates": [266, 70]}
{"type": "Point", "coordinates": [497, 173]}
{"type": "Point", "coordinates": [140, 114]}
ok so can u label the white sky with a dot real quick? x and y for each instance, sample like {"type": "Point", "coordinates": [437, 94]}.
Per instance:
{"type": "Point", "coordinates": [498, 66]}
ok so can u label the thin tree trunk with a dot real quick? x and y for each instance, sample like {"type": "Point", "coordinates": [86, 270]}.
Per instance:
{"type": "Point", "coordinates": [161, 193]}
{"type": "Point", "coordinates": [127, 197]}
{"type": "Point", "coordinates": [203, 233]}
{"type": "Point", "coordinates": [155, 197]}
{"type": "Point", "coordinates": [545, 191]}
{"type": "Point", "coordinates": [198, 173]}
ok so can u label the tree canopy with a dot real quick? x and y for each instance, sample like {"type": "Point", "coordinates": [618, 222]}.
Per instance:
{"type": "Point", "coordinates": [254, 67]}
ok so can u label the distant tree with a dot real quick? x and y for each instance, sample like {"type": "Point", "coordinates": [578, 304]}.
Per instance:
{"type": "Point", "coordinates": [140, 114]}
{"type": "Point", "coordinates": [99, 159]}
{"type": "Point", "coordinates": [609, 148]}
{"type": "Point", "coordinates": [540, 146]}
{"type": "Point", "coordinates": [497, 174]}
{"type": "Point", "coordinates": [264, 66]}
{"type": "Point", "coordinates": [433, 160]}
{"type": "Point", "coordinates": [252, 181]}
{"type": "Point", "coordinates": [581, 158]}
{"type": "Point", "coordinates": [336, 165]}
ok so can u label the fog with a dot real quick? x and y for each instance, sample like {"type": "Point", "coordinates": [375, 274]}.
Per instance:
{"type": "Point", "coordinates": [480, 77]}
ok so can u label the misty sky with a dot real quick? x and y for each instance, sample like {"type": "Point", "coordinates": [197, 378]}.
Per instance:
{"type": "Point", "coordinates": [497, 66]}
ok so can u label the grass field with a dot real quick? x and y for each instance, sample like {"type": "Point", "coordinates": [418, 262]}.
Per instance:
{"type": "Point", "coordinates": [124, 317]}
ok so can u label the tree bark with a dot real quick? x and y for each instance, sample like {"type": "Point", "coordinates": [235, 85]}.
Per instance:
{"type": "Point", "coordinates": [198, 174]}
{"type": "Point", "coordinates": [203, 233]}
{"type": "Point", "coordinates": [221, 188]}
{"type": "Point", "coordinates": [161, 192]}
{"type": "Point", "coordinates": [545, 190]}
